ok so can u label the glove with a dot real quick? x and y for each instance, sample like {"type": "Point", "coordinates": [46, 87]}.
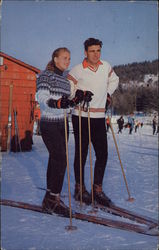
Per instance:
{"type": "Point", "coordinates": [108, 102]}
{"type": "Point", "coordinates": [60, 103]}
{"type": "Point", "coordinates": [63, 103]}
{"type": "Point", "coordinates": [72, 103]}
{"type": "Point", "coordinates": [79, 96]}
{"type": "Point", "coordinates": [87, 96]}
{"type": "Point", "coordinates": [52, 103]}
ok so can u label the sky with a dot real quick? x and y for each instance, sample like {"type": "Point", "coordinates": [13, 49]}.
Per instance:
{"type": "Point", "coordinates": [32, 30]}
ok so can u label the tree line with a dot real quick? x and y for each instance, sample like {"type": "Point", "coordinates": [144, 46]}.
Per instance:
{"type": "Point", "coordinates": [136, 71]}
{"type": "Point", "coordinates": [137, 98]}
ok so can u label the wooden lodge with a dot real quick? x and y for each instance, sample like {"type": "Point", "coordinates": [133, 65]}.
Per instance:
{"type": "Point", "coordinates": [17, 103]}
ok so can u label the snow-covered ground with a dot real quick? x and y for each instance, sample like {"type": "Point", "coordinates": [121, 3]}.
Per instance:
{"type": "Point", "coordinates": [23, 173]}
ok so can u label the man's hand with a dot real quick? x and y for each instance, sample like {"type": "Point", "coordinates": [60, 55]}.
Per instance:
{"type": "Point", "coordinates": [79, 96]}
{"type": "Point", "coordinates": [87, 96]}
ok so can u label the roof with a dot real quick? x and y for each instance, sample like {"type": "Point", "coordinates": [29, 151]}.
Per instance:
{"type": "Point", "coordinates": [36, 70]}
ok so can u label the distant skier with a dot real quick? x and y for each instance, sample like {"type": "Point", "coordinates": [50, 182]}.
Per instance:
{"type": "Point", "coordinates": [131, 124]}
{"type": "Point", "coordinates": [154, 124]}
{"type": "Point", "coordinates": [120, 123]}
{"type": "Point", "coordinates": [137, 125]}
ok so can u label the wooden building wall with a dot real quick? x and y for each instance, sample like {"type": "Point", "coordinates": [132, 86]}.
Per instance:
{"type": "Point", "coordinates": [23, 80]}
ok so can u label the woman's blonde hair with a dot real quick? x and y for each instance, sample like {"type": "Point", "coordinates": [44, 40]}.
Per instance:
{"type": "Point", "coordinates": [51, 65]}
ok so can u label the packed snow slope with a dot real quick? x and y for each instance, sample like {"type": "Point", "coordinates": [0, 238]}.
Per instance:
{"type": "Point", "coordinates": [23, 174]}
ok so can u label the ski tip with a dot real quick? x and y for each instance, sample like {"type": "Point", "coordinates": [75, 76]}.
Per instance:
{"type": "Point", "coordinates": [153, 232]}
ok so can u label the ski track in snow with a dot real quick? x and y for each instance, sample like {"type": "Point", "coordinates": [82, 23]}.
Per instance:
{"type": "Point", "coordinates": [23, 173]}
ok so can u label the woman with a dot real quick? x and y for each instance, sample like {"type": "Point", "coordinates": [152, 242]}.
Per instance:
{"type": "Point", "coordinates": [53, 91]}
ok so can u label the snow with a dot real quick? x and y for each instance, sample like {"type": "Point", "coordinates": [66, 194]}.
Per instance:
{"type": "Point", "coordinates": [23, 173]}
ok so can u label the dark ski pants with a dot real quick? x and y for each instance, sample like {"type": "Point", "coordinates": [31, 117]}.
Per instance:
{"type": "Point", "coordinates": [120, 129]}
{"type": "Point", "coordinates": [154, 129]}
{"type": "Point", "coordinates": [53, 135]}
{"type": "Point", "coordinates": [99, 141]}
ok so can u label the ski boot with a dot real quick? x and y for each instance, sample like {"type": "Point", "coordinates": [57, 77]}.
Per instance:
{"type": "Point", "coordinates": [100, 197]}
{"type": "Point", "coordinates": [53, 204]}
{"type": "Point", "coordinates": [86, 197]}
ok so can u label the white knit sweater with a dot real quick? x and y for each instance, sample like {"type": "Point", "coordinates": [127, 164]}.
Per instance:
{"type": "Point", "coordinates": [99, 82]}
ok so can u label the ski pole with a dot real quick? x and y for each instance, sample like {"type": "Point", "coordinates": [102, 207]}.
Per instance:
{"type": "Point", "coordinates": [129, 198]}
{"type": "Point", "coordinates": [90, 152]}
{"type": "Point", "coordinates": [17, 129]}
{"type": "Point", "coordinates": [70, 227]}
{"type": "Point", "coordinates": [80, 152]}
{"type": "Point", "coordinates": [10, 119]}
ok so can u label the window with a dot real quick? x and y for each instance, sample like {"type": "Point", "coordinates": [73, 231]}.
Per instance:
{"type": "Point", "coordinates": [1, 61]}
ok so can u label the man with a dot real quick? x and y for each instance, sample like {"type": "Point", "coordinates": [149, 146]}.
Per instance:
{"type": "Point", "coordinates": [97, 77]}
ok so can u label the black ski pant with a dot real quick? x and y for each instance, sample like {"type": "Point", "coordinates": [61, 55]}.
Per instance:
{"type": "Point", "coordinates": [120, 129]}
{"type": "Point", "coordinates": [99, 141]}
{"type": "Point", "coordinates": [154, 129]}
{"type": "Point", "coordinates": [53, 135]}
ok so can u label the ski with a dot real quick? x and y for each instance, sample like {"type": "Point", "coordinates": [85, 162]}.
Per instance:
{"type": "Point", "coordinates": [89, 218]}
{"type": "Point", "coordinates": [122, 212]}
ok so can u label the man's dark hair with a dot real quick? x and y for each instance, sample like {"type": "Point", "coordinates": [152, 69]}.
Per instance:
{"type": "Point", "coordinates": [92, 41]}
